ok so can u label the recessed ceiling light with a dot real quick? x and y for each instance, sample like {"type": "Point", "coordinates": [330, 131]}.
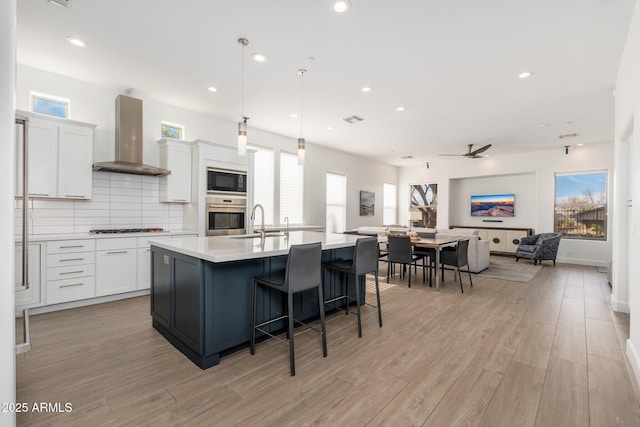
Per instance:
{"type": "Point", "coordinates": [580, 145]}
{"type": "Point", "coordinates": [212, 89]}
{"type": "Point", "coordinates": [330, 128]}
{"type": "Point", "coordinates": [340, 6]}
{"type": "Point", "coordinates": [366, 89]}
{"type": "Point", "coordinates": [400, 108]}
{"type": "Point", "coordinates": [76, 42]}
{"type": "Point", "coordinates": [544, 125]}
{"type": "Point", "coordinates": [293, 115]}
{"type": "Point", "coordinates": [258, 57]}
{"type": "Point", "coordinates": [525, 74]}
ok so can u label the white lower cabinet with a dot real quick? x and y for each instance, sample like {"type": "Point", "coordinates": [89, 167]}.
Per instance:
{"type": "Point", "coordinates": [116, 266]}
{"type": "Point", "coordinates": [70, 270]}
{"type": "Point", "coordinates": [31, 296]}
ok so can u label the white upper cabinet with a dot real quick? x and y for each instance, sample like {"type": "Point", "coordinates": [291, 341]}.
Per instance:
{"type": "Point", "coordinates": [43, 158]}
{"type": "Point", "coordinates": [175, 155]}
{"type": "Point", "coordinates": [60, 158]}
{"type": "Point", "coordinates": [75, 156]}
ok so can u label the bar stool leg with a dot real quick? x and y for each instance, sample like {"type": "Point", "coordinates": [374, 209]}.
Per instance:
{"type": "Point", "coordinates": [292, 362]}
{"type": "Point", "coordinates": [378, 298]}
{"type": "Point", "coordinates": [346, 293]}
{"type": "Point", "coordinates": [357, 280]}
{"type": "Point", "coordinates": [324, 332]}
{"type": "Point", "coordinates": [254, 285]}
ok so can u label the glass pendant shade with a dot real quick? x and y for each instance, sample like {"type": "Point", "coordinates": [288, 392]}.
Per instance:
{"type": "Point", "coordinates": [242, 138]}
{"type": "Point", "coordinates": [301, 152]}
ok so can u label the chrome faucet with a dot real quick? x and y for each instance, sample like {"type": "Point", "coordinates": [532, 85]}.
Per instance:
{"type": "Point", "coordinates": [286, 230]}
{"type": "Point", "coordinates": [253, 218]}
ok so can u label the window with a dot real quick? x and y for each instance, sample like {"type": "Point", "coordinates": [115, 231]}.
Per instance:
{"type": "Point", "coordinates": [50, 105]}
{"type": "Point", "coordinates": [389, 204]}
{"type": "Point", "coordinates": [291, 188]}
{"type": "Point", "coordinates": [263, 181]}
{"type": "Point", "coordinates": [581, 205]}
{"type": "Point", "coordinates": [336, 203]}
{"type": "Point", "coordinates": [171, 130]}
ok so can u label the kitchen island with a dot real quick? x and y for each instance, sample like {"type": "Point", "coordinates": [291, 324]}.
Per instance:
{"type": "Point", "coordinates": [201, 288]}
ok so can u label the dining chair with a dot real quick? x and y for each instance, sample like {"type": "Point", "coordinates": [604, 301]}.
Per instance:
{"type": "Point", "coordinates": [456, 257]}
{"type": "Point", "coordinates": [428, 252]}
{"type": "Point", "coordinates": [401, 252]}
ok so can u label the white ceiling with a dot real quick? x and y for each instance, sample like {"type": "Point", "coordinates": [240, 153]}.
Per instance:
{"type": "Point", "coordinates": [452, 64]}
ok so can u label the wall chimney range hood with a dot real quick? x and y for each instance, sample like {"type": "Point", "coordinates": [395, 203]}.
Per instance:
{"type": "Point", "coordinates": [129, 141]}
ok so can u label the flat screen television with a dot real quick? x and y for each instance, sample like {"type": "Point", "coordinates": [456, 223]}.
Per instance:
{"type": "Point", "coordinates": [496, 205]}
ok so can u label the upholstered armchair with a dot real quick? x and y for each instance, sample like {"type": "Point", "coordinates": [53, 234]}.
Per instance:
{"type": "Point", "coordinates": [539, 247]}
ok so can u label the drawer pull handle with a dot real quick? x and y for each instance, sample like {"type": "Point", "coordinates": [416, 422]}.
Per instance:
{"type": "Point", "coordinates": [179, 200]}
{"type": "Point", "coordinates": [71, 259]}
{"type": "Point", "coordinates": [74, 246]}
{"type": "Point", "coordinates": [71, 272]}
{"type": "Point", "coordinates": [117, 252]}
{"type": "Point", "coordinates": [71, 284]}
{"type": "Point", "coordinates": [38, 194]}
{"type": "Point", "coordinates": [75, 195]}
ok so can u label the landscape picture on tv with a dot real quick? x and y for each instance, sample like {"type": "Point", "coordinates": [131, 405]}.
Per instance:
{"type": "Point", "coordinates": [501, 205]}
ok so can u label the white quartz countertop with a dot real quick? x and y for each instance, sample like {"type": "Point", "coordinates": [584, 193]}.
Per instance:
{"type": "Point", "coordinates": [75, 236]}
{"type": "Point", "coordinates": [235, 248]}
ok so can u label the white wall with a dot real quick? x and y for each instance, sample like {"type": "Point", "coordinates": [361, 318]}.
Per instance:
{"type": "Point", "coordinates": [7, 173]}
{"type": "Point", "coordinates": [541, 164]}
{"type": "Point", "coordinates": [518, 184]}
{"type": "Point", "coordinates": [627, 122]}
{"type": "Point", "coordinates": [362, 174]}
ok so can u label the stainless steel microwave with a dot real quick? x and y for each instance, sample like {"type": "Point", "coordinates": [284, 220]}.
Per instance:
{"type": "Point", "coordinates": [226, 181]}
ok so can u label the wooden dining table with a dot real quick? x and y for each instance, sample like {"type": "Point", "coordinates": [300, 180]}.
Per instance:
{"type": "Point", "coordinates": [437, 243]}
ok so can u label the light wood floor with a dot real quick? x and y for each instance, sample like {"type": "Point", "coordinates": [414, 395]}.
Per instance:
{"type": "Point", "coordinates": [544, 353]}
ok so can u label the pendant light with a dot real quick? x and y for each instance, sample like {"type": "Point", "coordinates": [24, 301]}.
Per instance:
{"type": "Point", "coordinates": [301, 148]}
{"type": "Point", "coordinates": [242, 126]}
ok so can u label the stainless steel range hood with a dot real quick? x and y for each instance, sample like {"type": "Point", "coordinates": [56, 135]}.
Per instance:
{"type": "Point", "coordinates": [129, 141]}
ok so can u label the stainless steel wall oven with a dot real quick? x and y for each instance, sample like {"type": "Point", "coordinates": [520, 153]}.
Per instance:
{"type": "Point", "coordinates": [225, 216]}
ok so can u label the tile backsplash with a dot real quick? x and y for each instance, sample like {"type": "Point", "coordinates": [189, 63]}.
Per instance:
{"type": "Point", "coordinates": [119, 201]}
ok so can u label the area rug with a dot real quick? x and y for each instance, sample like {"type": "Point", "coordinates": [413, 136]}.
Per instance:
{"type": "Point", "coordinates": [508, 269]}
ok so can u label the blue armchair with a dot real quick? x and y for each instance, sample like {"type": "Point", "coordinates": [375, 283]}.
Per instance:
{"type": "Point", "coordinates": [539, 247]}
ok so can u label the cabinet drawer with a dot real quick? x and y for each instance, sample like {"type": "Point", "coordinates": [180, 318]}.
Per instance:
{"type": "Point", "coordinates": [118, 243]}
{"type": "Point", "coordinates": [66, 246]}
{"type": "Point", "coordinates": [143, 242]}
{"type": "Point", "coordinates": [72, 258]}
{"type": "Point", "coordinates": [70, 290]}
{"type": "Point", "coordinates": [70, 271]}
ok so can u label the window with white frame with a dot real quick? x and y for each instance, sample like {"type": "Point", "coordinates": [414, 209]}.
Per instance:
{"type": "Point", "coordinates": [389, 198]}
{"type": "Point", "coordinates": [336, 201]}
{"type": "Point", "coordinates": [171, 130]}
{"type": "Point", "coordinates": [50, 105]}
{"type": "Point", "coordinates": [264, 181]}
{"type": "Point", "coordinates": [291, 188]}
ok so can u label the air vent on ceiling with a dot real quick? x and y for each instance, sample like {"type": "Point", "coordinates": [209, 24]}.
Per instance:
{"type": "Point", "coordinates": [568, 135]}
{"type": "Point", "coordinates": [406, 157]}
{"type": "Point", "coordinates": [353, 119]}
{"type": "Point", "coordinates": [63, 3]}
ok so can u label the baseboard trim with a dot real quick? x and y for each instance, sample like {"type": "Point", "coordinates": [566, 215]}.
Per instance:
{"type": "Point", "coordinates": [619, 306]}
{"type": "Point", "coordinates": [634, 360]}
{"type": "Point", "coordinates": [83, 303]}
{"type": "Point", "coordinates": [579, 261]}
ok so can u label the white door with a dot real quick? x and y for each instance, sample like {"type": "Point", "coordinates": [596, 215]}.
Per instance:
{"type": "Point", "coordinates": [116, 271]}
{"type": "Point", "coordinates": [43, 158]}
{"type": "Point", "coordinates": [75, 155]}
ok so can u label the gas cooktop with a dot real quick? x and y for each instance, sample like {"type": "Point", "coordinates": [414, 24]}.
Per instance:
{"type": "Point", "coordinates": [127, 230]}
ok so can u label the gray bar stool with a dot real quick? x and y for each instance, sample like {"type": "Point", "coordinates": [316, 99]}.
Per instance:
{"type": "Point", "coordinates": [303, 272]}
{"type": "Point", "coordinates": [365, 260]}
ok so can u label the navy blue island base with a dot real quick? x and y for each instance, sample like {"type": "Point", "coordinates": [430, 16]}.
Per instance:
{"type": "Point", "coordinates": [203, 308]}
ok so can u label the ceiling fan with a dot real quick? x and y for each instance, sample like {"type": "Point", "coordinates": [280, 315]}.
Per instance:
{"type": "Point", "coordinates": [475, 154]}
